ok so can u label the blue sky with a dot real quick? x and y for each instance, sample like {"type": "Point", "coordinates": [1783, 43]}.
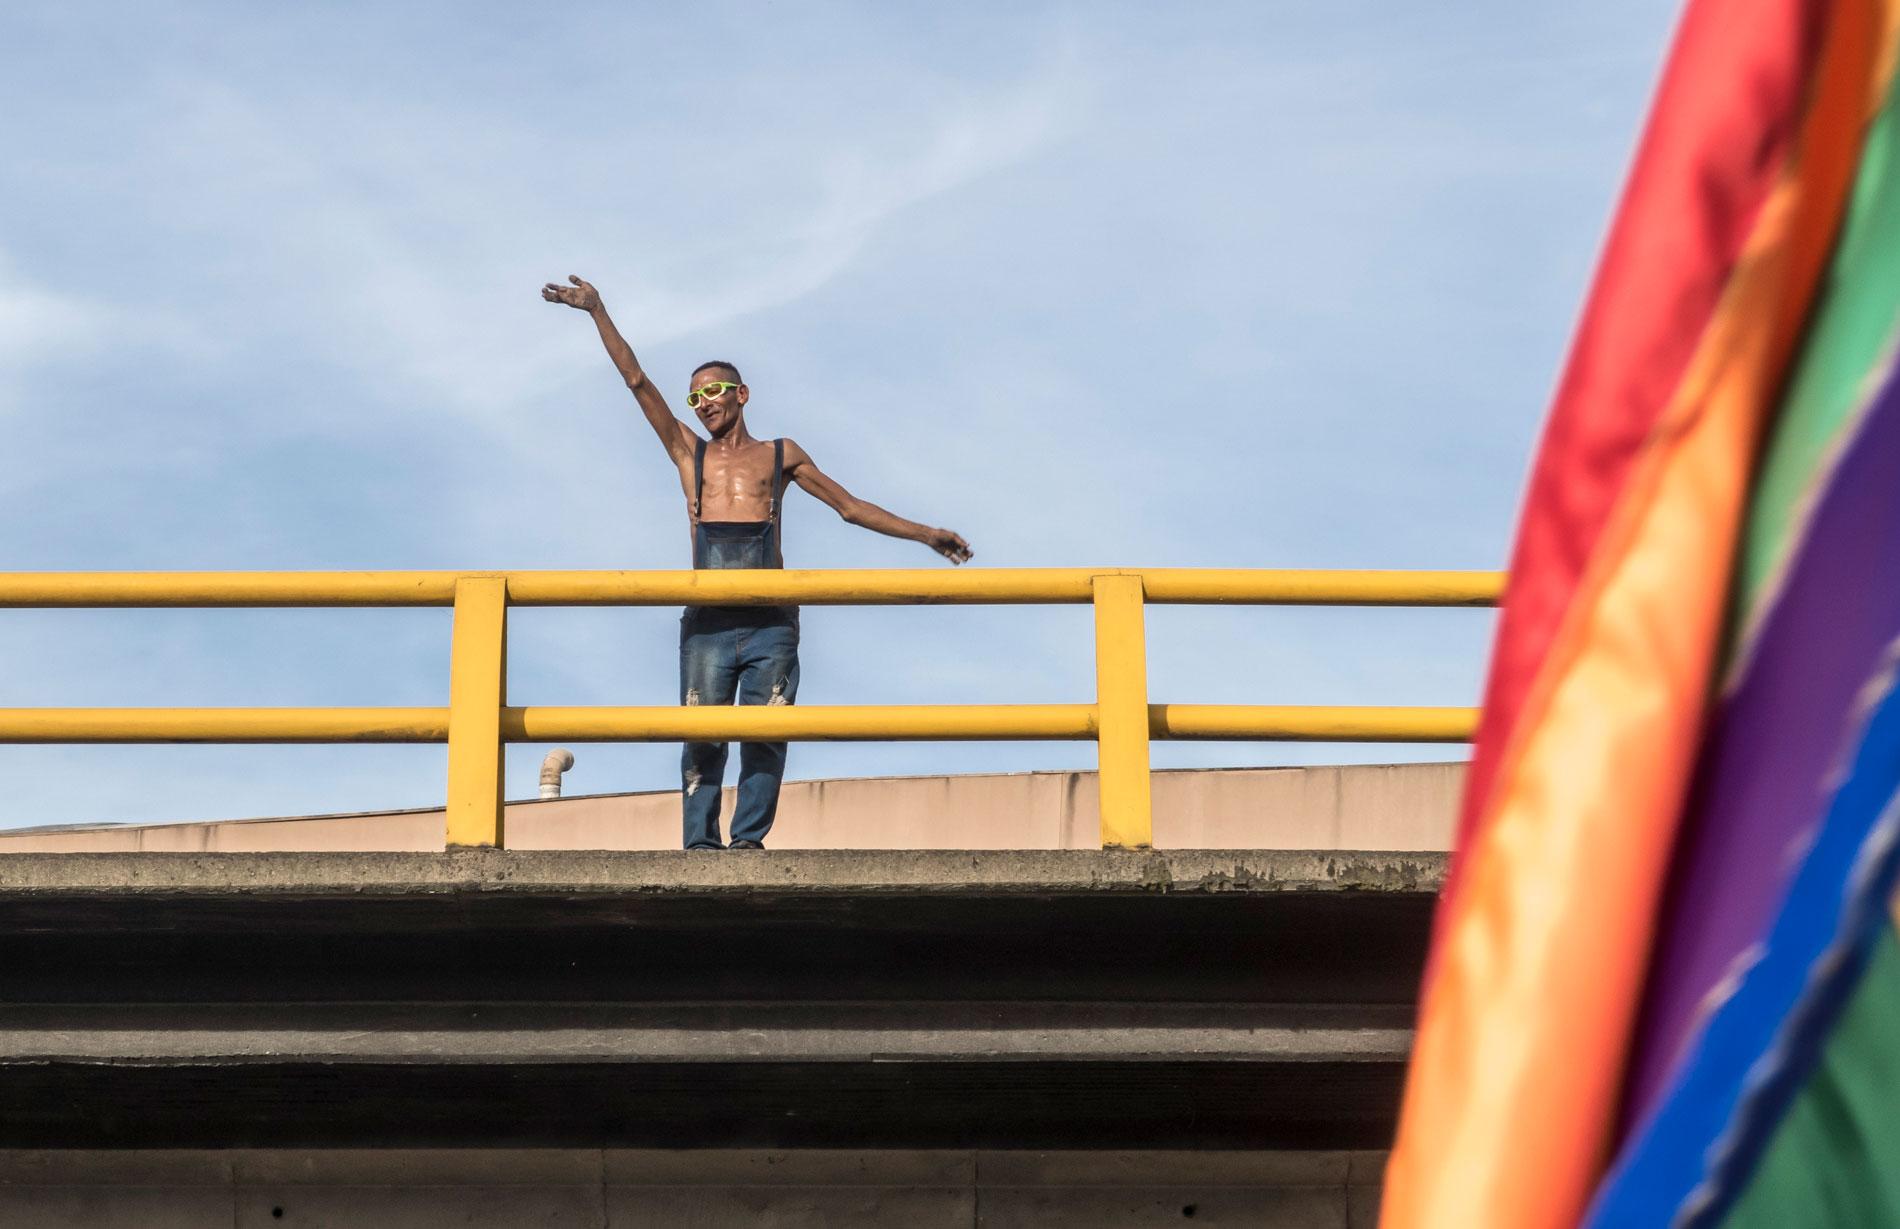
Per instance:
{"type": "Point", "coordinates": [1252, 285]}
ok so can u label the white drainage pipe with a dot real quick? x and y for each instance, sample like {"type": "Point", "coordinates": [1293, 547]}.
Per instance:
{"type": "Point", "coordinates": [557, 762]}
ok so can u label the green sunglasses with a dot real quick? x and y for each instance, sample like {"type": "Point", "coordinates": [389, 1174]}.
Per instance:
{"type": "Point", "coordinates": [706, 391]}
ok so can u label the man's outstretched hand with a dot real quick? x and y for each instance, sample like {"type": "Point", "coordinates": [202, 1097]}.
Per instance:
{"type": "Point", "coordinates": [949, 545]}
{"type": "Point", "coordinates": [580, 295]}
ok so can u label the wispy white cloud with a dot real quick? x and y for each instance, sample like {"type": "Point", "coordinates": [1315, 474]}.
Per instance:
{"type": "Point", "coordinates": [40, 323]}
{"type": "Point", "coordinates": [387, 247]}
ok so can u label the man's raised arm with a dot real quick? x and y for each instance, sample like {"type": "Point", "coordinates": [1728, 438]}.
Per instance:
{"type": "Point", "coordinates": [675, 435]}
{"type": "Point", "coordinates": [800, 469]}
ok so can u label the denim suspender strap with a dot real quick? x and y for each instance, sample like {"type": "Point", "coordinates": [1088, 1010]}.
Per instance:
{"type": "Point", "coordinates": [699, 474]}
{"type": "Point", "coordinates": [700, 551]}
{"type": "Point", "coordinates": [778, 492]}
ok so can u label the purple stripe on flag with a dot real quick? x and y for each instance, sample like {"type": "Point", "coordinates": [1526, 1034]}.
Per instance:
{"type": "Point", "coordinates": [1765, 774]}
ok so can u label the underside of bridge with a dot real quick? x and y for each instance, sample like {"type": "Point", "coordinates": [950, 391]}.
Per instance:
{"type": "Point", "coordinates": [918, 999]}
{"type": "Point", "coordinates": [1240, 1002]}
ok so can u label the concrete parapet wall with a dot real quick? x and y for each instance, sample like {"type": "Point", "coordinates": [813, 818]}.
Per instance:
{"type": "Point", "coordinates": [1368, 807]}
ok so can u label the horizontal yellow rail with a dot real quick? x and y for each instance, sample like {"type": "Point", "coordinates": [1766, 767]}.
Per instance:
{"type": "Point", "coordinates": [224, 725]}
{"type": "Point", "coordinates": [1312, 723]}
{"type": "Point", "coordinates": [478, 721]}
{"type": "Point", "coordinates": [806, 723]}
{"type": "Point", "coordinates": [967, 586]}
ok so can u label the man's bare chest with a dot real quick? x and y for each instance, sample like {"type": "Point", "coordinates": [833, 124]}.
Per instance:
{"type": "Point", "coordinates": [736, 484]}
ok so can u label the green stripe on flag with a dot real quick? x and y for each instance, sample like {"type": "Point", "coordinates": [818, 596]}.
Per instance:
{"type": "Point", "coordinates": [1853, 326]}
{"type": "Point", "coordinates": [1834, 1162]}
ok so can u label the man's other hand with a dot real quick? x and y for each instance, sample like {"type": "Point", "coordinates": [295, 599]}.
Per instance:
{"type": "Point", "coordinates": [580, 295]}
{"type": "Point", "coordinates": [949, 545]}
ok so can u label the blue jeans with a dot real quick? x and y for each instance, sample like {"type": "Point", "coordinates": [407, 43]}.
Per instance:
{"type": "Point", "coordinates": [748, 654]}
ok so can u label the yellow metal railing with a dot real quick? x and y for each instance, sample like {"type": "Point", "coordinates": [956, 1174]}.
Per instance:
{"type": "Point", "coordinates": [479, 721]}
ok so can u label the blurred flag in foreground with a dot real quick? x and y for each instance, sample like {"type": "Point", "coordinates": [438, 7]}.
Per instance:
{"type": "Point", "coordinates": [1665, 980]}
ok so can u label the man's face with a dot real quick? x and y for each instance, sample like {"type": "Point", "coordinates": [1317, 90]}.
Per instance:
{"type": "Point", "coordinates": [718, 408]}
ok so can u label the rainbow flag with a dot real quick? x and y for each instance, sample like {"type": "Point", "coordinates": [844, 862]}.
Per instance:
{"type": "Point", "coordinates": [1665, 980]}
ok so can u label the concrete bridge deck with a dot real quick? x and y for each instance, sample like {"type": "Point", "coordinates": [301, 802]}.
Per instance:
{"type": "Point", "coordinates": [272, 1022]}
{"type": "Point", "coordinates": [828, 999]}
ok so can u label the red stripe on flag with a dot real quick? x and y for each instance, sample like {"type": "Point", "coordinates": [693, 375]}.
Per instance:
{"type": "Point", "coordinates": [1725, 113]}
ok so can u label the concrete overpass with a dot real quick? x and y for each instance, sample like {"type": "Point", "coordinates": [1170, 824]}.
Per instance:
{"type": "Point", "coordinates": [620, 1036]}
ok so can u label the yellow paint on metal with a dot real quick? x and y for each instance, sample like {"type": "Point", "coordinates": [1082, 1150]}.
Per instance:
{"type": "Point", "coordinates": [1262, 587]}
{"type": "Point", "coordinates": [1121, 698]}
{"type": "Point", "coordinates": [770, 587]}
{"type": "Point", "coordinates": [477, 691]}
{"type": "Point", "coordinates": [215, 589]}
{"type": "Point", "coordinates": [809, 723]}
{"type": "Point", "coordinates": [224, 725]}
{"type": "Point", "coordinates": [841, 723]}
{"type": "Point", "coordinates": [477, 722]}
{"type": "Point", "coordinates": [1312, 723]}
{"type": "Point", "coordinates": [850, 588]}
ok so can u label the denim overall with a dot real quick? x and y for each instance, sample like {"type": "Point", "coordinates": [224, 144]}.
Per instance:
{"type": "Point", "coordinates": [743, 653]}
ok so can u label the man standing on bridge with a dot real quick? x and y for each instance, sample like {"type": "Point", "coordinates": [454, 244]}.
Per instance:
{"type": "Point", "coordinates": [734, 486]}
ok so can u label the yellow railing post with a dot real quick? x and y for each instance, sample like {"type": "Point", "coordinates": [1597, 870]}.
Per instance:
{"type": "Point", "coordinates": [478, 674]}
{"type": "Point", "coordinates": [1121, 701]}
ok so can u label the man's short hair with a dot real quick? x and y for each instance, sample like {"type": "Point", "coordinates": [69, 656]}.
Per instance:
{"type": "Point", "coordinates": [720, 362]}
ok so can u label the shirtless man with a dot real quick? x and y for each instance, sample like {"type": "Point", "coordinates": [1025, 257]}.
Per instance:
{"type": "Point", "coordinates": [734, 486]}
